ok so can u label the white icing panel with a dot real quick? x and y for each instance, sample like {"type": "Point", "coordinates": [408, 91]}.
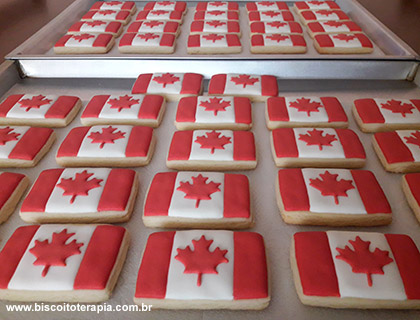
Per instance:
{"type": "Point", "coordinates": [213, 42]}
{"type": "Point", "coordinates": [153, 15]}
{"type": "Point", "coordinates": [329, 28]}
{"type": "Point", "coordinates": [226, 116]}
{"type": "Point", "coordinates": [208, 15]}
{"type": "Point", "coordinates": [96, 28]}
{"type": "Point", "coordinates": [301, 116]}
{"type": "Point", "coordinates": [397, 117]}
{"type": "Point", "coordinates": [107, 6]}
{"type": "Point", "coordinates": [223, 6]}
{"type": "Point", "coordinates": [268, 42]}
{"type": "Point", "coordinates": [338, 43]}
{"type": "Point", "coordinates": [6, 148]}
{"type": "Point", "coordinates": [250, 89]}
{"type": "Point", "coordinates": [104, 15]}
{"type": "Point", "coordinates": [270, 17]}
{"type": "Point", "coordinates": [198, 153]}
{"type": "Point", "coordinates": [209, 27]}
{"type": "Point", "coordinates": [17, 111]}
{"type": "Point", "coordinates": [313, 151]}
{"type": "Point", "coordinates": [269, 28]}
{"type": "Point", "coordinates": [317, 6]}
{"type": "Point", "coordinates": [324, 17]}
{"type": "Point", "coordinates": [147, 28]}
{"type": "Point", "coordinates": [126, 113]}
{"type": "Point", "coordinates": [414, 148]}
{"type": "Point", "coordinates": [171, 88]}
{"type": "Point", "coordinates": [160, 6]}
{"type": "Point", "coordinates": [81, 43]}
{"type": "Point", "coordinates": [146, 40]}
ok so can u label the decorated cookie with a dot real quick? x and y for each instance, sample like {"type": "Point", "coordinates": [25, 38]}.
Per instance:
{"type": "Point", "coordinates": [311, 147]}
{"type": "Point", "coordinates": [172, 86]}
{"type": "Point", "coordinates": [276, 27]}
{"type": "Point", "coordinates": [180, 6]}
{"type": "Point", "coordinates": [373, 115]}
{"type": "Point", "coordinates": [343, 43]}
{"type": "Point", "coordinates": [132, 109]}
{"type": "Point", "coordinates": [200, 269]}
{"type": "Point", "coordinates": [266, 6]}
{"type": "Point", "coordinates": [278, 43]}
{"type": "Point", "coordinates": [215, 26]}
{"type": "Point", "coordinates": [307, 16]}
{"type": "Point", "coordinates": [122, 16]}
{"type": "Point", "coordinates": [332, 26]}
{"type": "Point", "coordinates": [213, 43]}
{"type": "Point", "coordinates": [81, 195]}
{"type": "Point", "coordinates": [24, 146]}
{"type": "Point", "coordinates": [271, 15]}
{"type": "Point", "coordinates": [113, 27]}
{"type": "Point", "coordinates": [115, 5]}
{"type": "Point", "coordinates": [216, 15]}
{"type": "Point", "coordinates": [212, 150]}
{"type": "Point", "coordinates": [304, 111]}
{"type": "Point", "coordinates": [254, 87]}
{"type": "Point", "coordinates": [39, 110]}
{"type": "Point", "coordinates": [212, 112]}
{"type": "Point", "coordinates": [363, 270]}
{"type": "Point", "coordinates": [217, 6]}
{"type": "Point", "coordinates": [108, 145]}
{"type": "Point", "coordinates": [84, 43]}
{"type": "Point", "coordinates": [334, 197]}
{"type": "Point", "coordinates": [160, 15]}
{"type": "Point", "coordinates": [198, 200]}
{"type": "Point", "coordinates": [12, 187]}
{"type": "Point", "coordinates": [154, 26]}
{"type": "Point", "coordinates": [70, 263]}
{"type": "Point", "coordinates": [411, 188]}
{"type": "Point", "coordinates": [316, 5]}
{"type": "Point", "coordinates": [147, 43]}
{"type": "Point", "coordinates": [398, 151]}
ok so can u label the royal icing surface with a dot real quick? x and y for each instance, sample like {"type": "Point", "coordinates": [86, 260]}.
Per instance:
{"type": "Point", "coordinates": [411, 141]}
{"type": "Point", "coordinates": [122, 107]}
{"type": "Point", "coordinates": [9, 138]}
{"type": "Point", "coordinates": [147, 40]}
{"type": "Point", "coordinates": [318, 143]}
{"type": "Point", "coordinates": [243, 84]}
{"type": "Point", "coordinates": [166, 82]}
{"type": "Point", "coordinates": [153, 26]}
{"type": "Point", "coordinates": [224, 113]}
{"type": "Point", "coordinates": [82, 40]}
{"type": "Point", "coordinates": [216, 6]}
{"type": "Point", "coordinates": [216, 15]}
{"type": "Point", "coordinates": [346, 41]}
{"type": "Point", "coordinates": [267, 6]}
{"type": "Point", "coordinates": [306, 109]}
{"type": "Point", "coordinates": [316, 5]}
{"type": "Point", "coordinates": [219, 26]}
{"type": "Point", "coordinates": [160, 15]}
{"type": "Point", "coordinates": [334, 26]}
{"type": "Point", "coordinates": [166, 5]}
{"type": "Point", "coordinates": [275, 27]}
{"type": "Point", "coordinates": [215, 145]}
{"type": "Point", "coordinates": [277, 40]}
{"type": "Point", "coordinates": [271, 15]}
{"type": "Point", "coordinates": [114, 5]}
{"type": "Point", "coordinates": [108, 14]}
{"type": "Point", "coordinates": [326, 15]}
{"type": "Point", "coordinates": [97, 26]}
{"type": "Point", "coordinates": [9, 182]}
{"type": "Point", "coordinates": [31, 106]}
{"type": "Point", "coordinates": [397, 110]}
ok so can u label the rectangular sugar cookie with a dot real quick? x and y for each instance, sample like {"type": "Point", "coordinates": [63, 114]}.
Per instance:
{"type": "Point", "coordinates": [13, 186]}
{"type": "Point", "coordinates": [161, 15]}
{"type": "Point", "coordinates": [216, 15]}
{"type": "Point", "coordinates": [198, 200]}
{"type": "Point", "coordinates": [332, 197]}
{"type": "Point", "coordinates": [213, 43]}
{"type": "Point", "coordinates": [215, 26]}
{"type": "Point", "coordinates": [180, 6]}
{"type": "Point", "coordinates": [154, 26]}
{"type": "Point", "coordinates": [212, 150]}
{"type": "Point", "coordinates": [115, 5]}
{"type": "Point", "coordinates": [343, 43]}
{"type": "Point", "coordinates": [266, 6]}
{"type": "Point", "coordinates": [361, 270]}
{"type": "Point", "coordinates": [316, 5]}
{"type": "Point", "coordinates": [332, 26]}
{"type": "Point", "coordinates": [307, 16]}
{"type": "Point", "coordinates": [276, 27]}
{"type": "Point", "coordinates": [323, 147]}
{"type": "Point", "coordinates": [270, 16]}
{"type": "Point", "coordinates": [113, 27]}
{"type": "Point", "coordinates": [278, 43]}
{"type": "Point", "coordinates": [147, 43]}
{"type": "Point", "coordinates": [217, 6]}
{"type": "Point", "coordinates": [81, 43]}
{"type": "Point", "coordinates": [237, 279]}
{"type": "Point", "coordinates": [122, 16]}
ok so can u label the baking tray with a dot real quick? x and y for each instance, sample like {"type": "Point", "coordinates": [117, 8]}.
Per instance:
{"type": "Point", "coordinates": [391, 59]}
{"type": "Point", "coordinates": [285, 303]}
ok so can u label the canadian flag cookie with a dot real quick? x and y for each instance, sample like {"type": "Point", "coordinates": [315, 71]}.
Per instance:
{"type": "Point", "coordinates": [172, 86]}
{"type": "Point", "coordinates": [200, 269]}
{"type": "Point", "coordinates": [24, 146]}
{"type": "Point", "coordinates": [307, 16]}
{"type": "Point", "coordinates": [373, 115]}
{"type": "Point", "coordinates": [212, 150]}
{"type": "Point", "coordinates": [213, 112]}
{"type": "Point", "coordinates": [411, 188]}
{"type": "Point", "coordinates": [113, 27]}
{"type": "Point", "coordinates": [81, 195]}
{"type": "Point", "coordinates": [108, 145]}
{"type": "Point", "coordinates": [255, 87]}
{"type": "Point", "coordinates": [278, 43]}
{"type": "Point", "coordinates": [398, 151]}
{"type": "Point", "coordinates": [217, 6]}
{"type": "Point", "coordinates": [160, 15]}
{"type": "Point", "coordinates": [147, 43]}
{"type": "Point", "coordinates": [304, 111]}
{"type": "Point", "coordinates": [332, 26]}
{"type": "Point", "coordinates": [343, 43]}
{"type": "Point", "coordinates": [154, 26]}
{"type": "Point", "coordinates": [276, 27]}
{"type": "Point", "coordinates": [316, 5]}
{"type": "Point", "coordinates": [333, 197]}
{"type": "Point", "coordinates": [39, 110]}
{"type": "Point", "coordinates": [222, 15]}
{"type": "Point", "coordinates": [180, 6]}
{"type": "Point", "coordinates": [271, 15]}
{"type": "Point", "coordinates": [132, 109]}
{"type": "Point", "coordinates": [84, 43]}
{"type": "Point", "coordinates": [215, 26]}
{"type": "Point", "coordinates": [62, 263]}
{"type": "Point", "coordinates": [122, 16]}
{"type": "Point", "coordinates": [363, 270]}
{"type": "Point", "coordinates": [198, 200]}
{"type": "Point", "coordinates": [311, 147]}
{"type": "Point", "coordinates": [213, 43]}
{"type": "Point", "coordinates": [266, 6]}
{"type": "Point", "coordinates": [115, 5]}
{"type": "Point", "coordinates": [12, 188]}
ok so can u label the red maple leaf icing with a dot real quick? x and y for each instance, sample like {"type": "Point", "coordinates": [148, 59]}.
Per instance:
{"type": "Point", "coordinates": [215, 13]}
{"type": "Point", "coordinates": [213, 37]}
{"type": "Point", "coordinates": [270, 13]}
{"type": "Point", "coordinates": [35, 102]}
{"type": "Point", "coordinates": [166, 78]}
{"type": "Point", "coordinates": [95, 23]}
{"type": "Point", "coordinates": [153, 23]}
{"type": "Point", "coordinates": [217, 4]}
{"type": "Point", "coordinates": [277, 24]}
{"type": "Point", "coordinates": [414, 138]}
{"type": "Point", "coordinates": [147, 36]}
{"type": "Point", "coordinates": [7, 134]}
{"type": "Point", "coordinates": [79, 186]}
{"type": "Point", "coordinates": [55, 253]}
{"type": "Point", "coordinates": [199, 189]}
{"type": "Point", "coordinates": [108, 135]}
{"type": "Point", "coordinates": [306, 105]}
{"type": "Point", "coordinates": [344, 37]}
{"type": "Point", "coordinates": [277, 37]}
{"type": "Point", "coordinates": [212, 140]}
{"type": "Point", "coordinates": [123, 102]}
{"type": "Point", "coordinates": [165, 3]}
{"type": "Point", "coordinates": [215, 105]}
{"type": "Point", "coordinates": [201, 260]}
{"type": "Point", "coordinates": [333, 23]}
{"type": "Point", "coordinates": [215, 23]}
{"type": "Point", "coordinates": [362, 260]}
{"type": "Point", "coordinates": [266, 3]}
{"type": "Point", "coordinates": [325, 12]}
{"type": "Point", "coordinates": [244, 80]}
{"type": "Point", "coordinates": [316, 137]}
{"type": "Point", "coordinates": [83, 36]}
{"type": "Point", "coordinates": [159, 12]}
{"type": "Point", "coordinates": [106, 12]}
{"type": "Point", "coordinates": [396, 106]}
{"type": "Point", "coordinates": [330, 186]}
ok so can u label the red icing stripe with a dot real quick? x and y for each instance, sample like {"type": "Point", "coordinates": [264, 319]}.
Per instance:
{"type": "Point", "coordinates": [392, 147]}
{"type": "Point", "coordinates": [293, 190]}
{"type": "Point", "coordinates": [236, 198]}
{"type": "Point", "coordinates": [149, 6]}
{"type": "Point", "coordinates": [102, 40]}
{"type": "Point", "coordinates": [180, 6]}
{"type": "Point", "coordinates": [295, 27]}
{"type": "Point", "coordinates": [192, 83]}
{"type": "Point", "coordinates": [160, 193]}
{"type": "Point", "coordinates": [167, 40]}
{"type": "Point", "coordinates": [13, 251]}
{"type": "Point", "coordinates": [315, 264]}
{"type": "Point", "coordinates": [352, 146]}
{"type": "Point", "coordinates": [151, 106]}
{"type": "Point", "coordinates": [233, 40]}
{"type": "Point", "coordinates": [366, 43]}
{"type": "Point", "coordinates": [416, 103]}
{"type": "Point", "coordinates": [9, 181]}
{"type": "Point", "coordinates": [31, 143]}
{"type": "Point", "coordinates": [97, 5]}
{"type": "Point", "coordinates": [368, 111]}
{"type": "Point", "coordinates": [334, 109]}
{"type": "Point", "coordinates": [277, 109]}
{"type": "Point", "coordinates": [134, 27]}
{"type": "Point", "coordinates": [142, 15]}
{"type": "Point", "coordinates": [244, 146]}
{"type": "Point", "coordinates": [233, 26]}
{"type": "Point", "coordinates": [304, 6]}
{"type": "Point", "coordinates": [100, 258]}
{"type": "Point", "coordinates": [38, 196]}
{"type": "Point", "coordinates": [117, 190]}
{"type": "Point", "coordinates": [94, 107]}
{"type": "Point", "coordinates": [298, 40]}
{"type": "Point", "coordinates": [243, 110]}
{"type": "Point", "coordinates": [171, 27]}
{"type": "Point", "coordinates": [315, 27]}
{"type": "Point", "coordinates": [269, 86]}
{"type": "Point", "coordinates": [193, 41]}
{"type": "Point", "coordinates": [257, 27]}
{"type": "Point", "coordinates": [250, 279]}
{"type": "Point", "coordinates": [413, 181]}
{"type": "Point", "coordinates": [126, 39]}
{"type": "Point", "coordinates": [142, 83]}
{"type": "Point", "coordinates": [76, 26]}
{"type": "Point", "coordinates": [217, 84]}
{"type": "Point", "coordinates": [257, 40]}
{"type": "Point", "coordinates": [153, 273]}
{"type": "Point", "coordinates": [324, 40]}
{"type": "Point", "coordinates": [181, 143]}
{"type": "Point", "coordinates": [187, 108]}
{"type": "Point", "coordinates": [138, 144]}
{"type": "Point", "coordinates": [8, 103]}
{"type": "Point", "coordinates": [71, 143]}
{"type": "Point", "coordinates": [407, 258]}
{"type": "Point", "coordinates": [122, 15]}
{"type": "Point", "coordinates": [62, 107]}
{"type": "Point", "coordinates": [284, 142]}
{"type": "Point", "coordinates": [63, 40]}
{"type": "Point", "coordinates": [370, 191]}
{"type": "Point", "coordinates": [88, 15]}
